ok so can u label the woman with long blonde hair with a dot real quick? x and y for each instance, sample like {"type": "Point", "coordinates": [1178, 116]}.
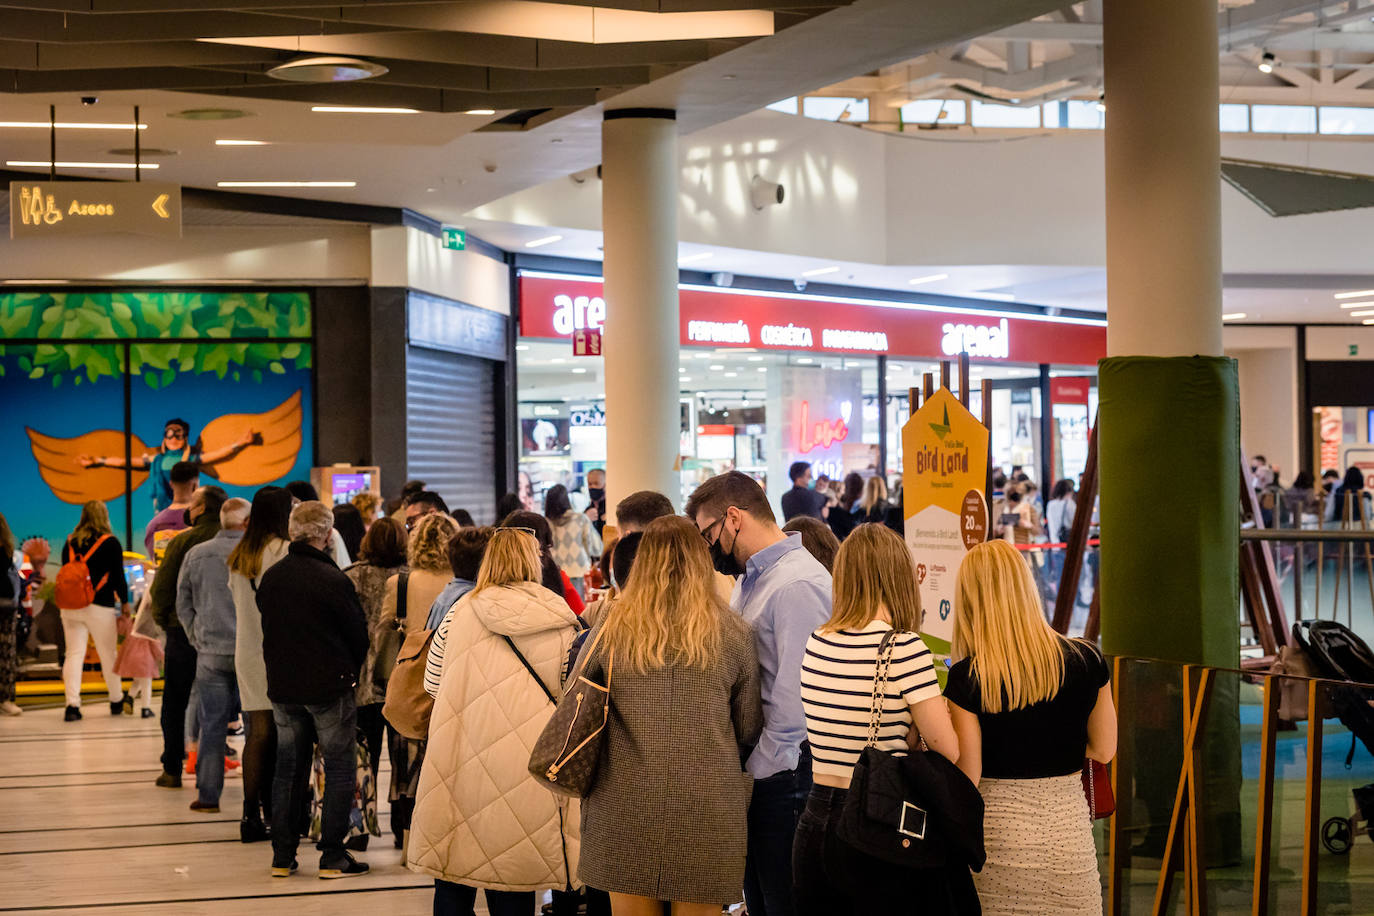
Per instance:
{"type": "Point", "coordinates": [874, 504]}
{"type": "Point", "coordinates": [876, 601]}
{"type": "Point", "coordinates": [94, 543]}
{"type": "Point", "coordinates": [666, 817]}
{"type": "Point", "coordinates": [481, 821]}
{"type": "Point", "coordinates": [1028, 706]}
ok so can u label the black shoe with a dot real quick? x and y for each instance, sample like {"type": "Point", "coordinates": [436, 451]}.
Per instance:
{"type": "Point", "coordinates": [126, 705]}
{"type": "Point", "coordinates": [72, 714]}
{"type": "Point", "coordinates": [346, 867]}
{"type": "Point", "coordinates": [357, 843]}
{"type": "Point", "coordinates": [117, 707]}
{"type": "Point", "coordinates": [147, 714]}
{"type": "Point", "coordinates": [204, 807]}
{"type": "Point", "coordinates": [283, 870]}
{"type": "Point", "coordinates": [169, 780]}
{"type": "Point", "coordinates": [252, 831]}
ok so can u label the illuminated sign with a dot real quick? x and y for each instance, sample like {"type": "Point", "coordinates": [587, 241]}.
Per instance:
{"type": "Point", "coordinates": [455, 239]}
{"type": "Point", "coordinates": [820, 433]}
{"type": "Point", "coordinates": [48, 209]}
{"type": "Point", "coordinates": [977, 340]}
{"type": "Point", "coordinates": [578, 313]}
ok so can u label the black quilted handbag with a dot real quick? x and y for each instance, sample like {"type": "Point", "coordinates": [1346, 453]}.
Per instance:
{"type": "Point", "coordinates": [566, 755]}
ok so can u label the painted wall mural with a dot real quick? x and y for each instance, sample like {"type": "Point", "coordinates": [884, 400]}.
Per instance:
{"type": "Point", "coordinates": [101, 393]}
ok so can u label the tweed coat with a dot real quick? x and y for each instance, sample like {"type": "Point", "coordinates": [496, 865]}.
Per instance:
{"type": "Point", "coordinates": [666, 817]}
{"type": "Point", "coordinates": [480, 818]}
{"type": "Point", "coordinates": [370, 581]}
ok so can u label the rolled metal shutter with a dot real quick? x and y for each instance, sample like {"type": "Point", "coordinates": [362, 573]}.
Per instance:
{"type": "Point", "coordinates": [451, 428]}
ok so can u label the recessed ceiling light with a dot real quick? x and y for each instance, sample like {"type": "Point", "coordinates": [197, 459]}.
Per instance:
{"type": "Point", "coordinates": [732, 375]}
{"type": "Point", "coordinates": [72, 125]}
{"type": "Point", "coordinates": [930, 279]}
{"type": "Point", "coordinates": [285, 184]}
{"type": "Point", "coordinates": [1363, 313]}
{"type": "Point", "coordinates": [1358, 294]}
{"type": "Point", "coordinates": [701, 356]}
{"type": "Point", "coordinates": [754, 359]}
{"type": "Point", "coordinates": [716, 367]}
{"type": "Point", "coordinates": [522, 347]}
{"type": "Point", "coordinates": [326, 70]}
{"type": "Point", "coordinates": [557, 359]}
{"type": "Point", "coordinates": [36, 164]}
{"type": "Point", "coordinates": [684, 378]}
{"type": "Point", "coordinates": [361, 109]}
{"type": "Point", "coordinates": [546, 240]}
{"type": "Point", "coordinates": [1233, 316]}
{"type": "Point", "coordinates": [210, 114]}
{"type": "Point", "coordinates": [693, 258]}
{"type": "Point", "coordinates": [1355, 305]}
{"type": "Point", "coordinates": [681, 369]}
{"type": "Point", "coordinates": [761, 369]}
{"type": "Point", "coordinates": [480, 111]}
{"type": "Point", "coordinates": [805, 360]}
{"type": "Point", "coordinates": [579, 371]}
{"type": "Point", "coordinates": [1368, 321]}
{"type": "Point", "coordinates": [820, 271]}
{"type": "Point", "coordinates": [35, 282]}
{"type": "Point", "coordinates": [240, 143]}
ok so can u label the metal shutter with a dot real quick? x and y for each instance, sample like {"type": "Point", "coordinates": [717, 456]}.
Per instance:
{"type": "Point", "coordinates": [451, 428]}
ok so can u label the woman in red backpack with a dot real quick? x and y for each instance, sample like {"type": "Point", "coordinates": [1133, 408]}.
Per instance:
{"type": "Point", "coordinates": [92, 570]}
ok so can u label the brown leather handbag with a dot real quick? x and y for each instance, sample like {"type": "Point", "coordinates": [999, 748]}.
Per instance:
{"type": "Point", "coordinates": [566, 755]}
{"type": "Point", "coordinates": [408, 706]}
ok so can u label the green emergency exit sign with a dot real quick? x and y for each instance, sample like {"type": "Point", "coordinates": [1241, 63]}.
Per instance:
{"type": "Point", "coordinates": [455, 239]}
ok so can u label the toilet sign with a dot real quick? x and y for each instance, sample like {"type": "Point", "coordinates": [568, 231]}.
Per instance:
{"type": "Point", "coordinates": [49, 209]}
{"type": "Point", "coordinates": [587, 342]}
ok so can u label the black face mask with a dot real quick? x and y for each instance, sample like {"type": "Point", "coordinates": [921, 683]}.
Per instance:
{"type": "Point", "coordinates": [724, 561]}
{"type": "Point", "coordinates": [596, 494]}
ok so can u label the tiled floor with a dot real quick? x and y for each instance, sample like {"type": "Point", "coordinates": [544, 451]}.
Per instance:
{"type": "Point", "coordinates": [82, 827]}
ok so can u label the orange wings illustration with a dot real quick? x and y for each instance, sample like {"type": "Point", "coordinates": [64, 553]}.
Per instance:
{"type": "Point", "coordinates": [72, 483]}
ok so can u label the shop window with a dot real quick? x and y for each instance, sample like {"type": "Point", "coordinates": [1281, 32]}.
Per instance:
{"type": "Point", "coordinates": [931, 111]}
{"type": "Point", "coordinates": [1083, 114]}
{"type": "Point", "coordinates": [1338, 120]}
{"type": "Point", "coordinates": [825, 108]}
{"type": "Point", "coordinates": [986, 114]}
{"type": "Point", "coordinates": [1235, 119]}
{"type": "Point", "coordinates": [1283, 119]}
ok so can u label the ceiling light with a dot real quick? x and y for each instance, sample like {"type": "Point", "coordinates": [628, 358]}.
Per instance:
{"type": "Point", "coordinates": [693, 258]}
{"type": "Point", "coordinates": [240, 143]}
{"type": "Point", "coordinates": [820, 271]}
{"type": "Point", "coordinates": [522, 347]}
{"type": "Point", "coordinates": [35, 282]}
{"type": "Point", "coordinates": [546, 240]}
{"type": "Point", "coordinates": [361, 109]}
{"type": "Point", "coordinates": [1368, 321]}
{"type": "Point", "coordinates": [701, 356]}
{"type": "Point", "coordinates": [805, 360]}
{"type": "Point", "coordinates": [930, 279]}
{"type": "Point", "coordinates": [579, 371]}
{"type": "Point", "coordinates": [210, 114]}
{"type": "Point", "coordinates": [685, 378]}
{"type": "Point", "coordinates": [1233, 316]}
{"type": "Point", "coordinates": [716, 368]}
{"type": "Point", "coordinates": [36, 164]}
{"type": "Point", "coordinates": [1364, 313]}
{"type": "Point", "coordinates": [284, 184]}
{"type": "Point", "coordinates": [326, 70]}
{"type": "Point", "coordinates": [557, 360]}
{"type": "Point", "coordinates": [72, 125]}
{"type": "Point", "coordinates": [1358, 294]}
{"type": "Point", "coordinates": [1355, 305]}
{"type": "Point", "coordinates": [761, 369]}
{"type": "Point", "coordinates": [480, 111]}
{"type": "Point", "coordinates": [681, 370]}
{"type": "Point", "coordinates": [732, 375]}
{"type": "Point", "coordinates": [1266, 64]}
{"type": "Point", "coordinates": [754, 359]}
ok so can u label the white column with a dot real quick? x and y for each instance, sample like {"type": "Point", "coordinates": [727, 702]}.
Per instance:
{"type": "Point", "coordinates": [1163, 151]}
{"type": "Point", "coordinates": [639, 186]}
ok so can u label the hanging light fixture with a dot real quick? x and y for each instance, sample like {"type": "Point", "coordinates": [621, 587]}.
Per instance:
{"type": "Point", "coordinates": [1267, 62]}
{"type": "Point", "coordinates": [326, 70]}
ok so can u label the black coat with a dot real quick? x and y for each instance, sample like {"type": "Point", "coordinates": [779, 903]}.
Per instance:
{"type": "Point", "coordinates": [314, 633]}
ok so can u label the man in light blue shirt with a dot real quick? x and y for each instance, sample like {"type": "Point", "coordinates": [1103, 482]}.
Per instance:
{"type": "Point", "coordinates": [785, 594]}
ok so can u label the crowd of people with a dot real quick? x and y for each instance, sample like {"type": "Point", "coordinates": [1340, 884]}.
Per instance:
{"type": "Point", "coordinates": [753, 665]}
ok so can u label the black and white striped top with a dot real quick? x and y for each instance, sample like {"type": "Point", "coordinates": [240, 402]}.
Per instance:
{"type": "Point", "coordinates": [837, 693]}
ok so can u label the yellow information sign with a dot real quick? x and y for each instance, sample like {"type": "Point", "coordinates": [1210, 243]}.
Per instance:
{"type": "Point", "coordinates": [48, 209]}
{"type": "Point", "coordinates": [944, 472]}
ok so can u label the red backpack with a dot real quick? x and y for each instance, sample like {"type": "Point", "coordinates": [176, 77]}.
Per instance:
{"type": "Point", "coordinates": [73, 584]}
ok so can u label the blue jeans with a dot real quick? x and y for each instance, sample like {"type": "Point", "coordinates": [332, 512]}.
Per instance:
{"type": "Point", "coordinates": [218, 693]}
{"type": "Point", "coordinates": [333, 725]}
{"type": "Point", "coordinates": [774, 810]}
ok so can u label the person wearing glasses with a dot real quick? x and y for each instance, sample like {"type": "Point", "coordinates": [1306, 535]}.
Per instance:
{"type": "Point", "coordinates": [176, 447]}
{"type": "Point", "coordinates": [785, 593]}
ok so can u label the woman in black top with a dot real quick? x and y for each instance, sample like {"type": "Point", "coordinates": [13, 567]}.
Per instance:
{"type": "Point", "coordinates": [1352, 483]}
{"type": "Point", "coordinates": [10, 609]}
{"type": "Point", "coordinates": [1028, 706]}
{"type": "Point", "coordinates": [98, 619]}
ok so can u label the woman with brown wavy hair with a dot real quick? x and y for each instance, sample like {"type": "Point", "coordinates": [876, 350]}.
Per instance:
{"type": "Point", "coordinates": [666, 818]}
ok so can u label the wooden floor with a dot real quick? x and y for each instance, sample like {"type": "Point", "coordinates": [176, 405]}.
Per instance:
{"type": "Point", "coordinates": [83, 827]}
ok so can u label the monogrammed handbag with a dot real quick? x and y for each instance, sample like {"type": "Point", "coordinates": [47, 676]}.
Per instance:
{"type": "Point", "coordinates": [568, 750]}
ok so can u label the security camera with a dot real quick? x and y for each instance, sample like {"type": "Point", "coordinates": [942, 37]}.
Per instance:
{"type": "Point", "coordinates": [765, 193]}
{"type": "Point", "coordinates": [723, 278]}
{"type": "Point", "coordinates": [799, 285]}
{"type": "Point", "coordinates": [89, 100]}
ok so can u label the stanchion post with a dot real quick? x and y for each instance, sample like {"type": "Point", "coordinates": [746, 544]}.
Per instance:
{"type": "Point", "coordinates": [1312, 816]}
{"type": "Point", "coordinates": [1264, 828]}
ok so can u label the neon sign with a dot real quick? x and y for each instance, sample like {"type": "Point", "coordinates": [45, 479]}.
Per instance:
{"type": "Point", "coordinates": [820, 434]}
{"type": "Point", "coordinates": [577, 314]}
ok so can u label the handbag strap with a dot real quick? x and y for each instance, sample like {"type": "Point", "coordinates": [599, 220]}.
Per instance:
{"type": "Point", "coordinates": [884, 661]}
{"type": "Point", "coordinates": [530, 668]}
{"type": "Point", "coordinates": [402, 587]}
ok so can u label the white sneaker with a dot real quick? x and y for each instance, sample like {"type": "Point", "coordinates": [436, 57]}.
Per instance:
{"type": "Point", "coordinates": [11, 708]}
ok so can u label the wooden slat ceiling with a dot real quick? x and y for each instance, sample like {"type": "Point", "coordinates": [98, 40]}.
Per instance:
{"type": "Point", "coordinates": [442, 56]}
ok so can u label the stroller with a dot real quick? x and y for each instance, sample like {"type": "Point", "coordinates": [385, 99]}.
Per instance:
{"type": "Point", "coordinates": [1336, 653]}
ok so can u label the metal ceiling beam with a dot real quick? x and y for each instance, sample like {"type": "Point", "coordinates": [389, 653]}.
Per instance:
{"type": "Point", "coordinates": [62, 56]}
{"type": "Point", "coordinates": [62, 27]}
{"type": "Point", "coordinates": [122, 78]}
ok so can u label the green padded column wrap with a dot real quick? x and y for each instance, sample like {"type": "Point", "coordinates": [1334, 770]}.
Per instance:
{"type": "Point", "coordinates": [1168, 453]}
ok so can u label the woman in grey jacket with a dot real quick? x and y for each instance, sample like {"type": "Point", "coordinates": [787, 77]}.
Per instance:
{"type": "Point", "coordinates": [666, 818]}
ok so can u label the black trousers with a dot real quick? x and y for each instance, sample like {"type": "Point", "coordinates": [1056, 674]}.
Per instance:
{"type": "Point", "coordinates": [179, 674]}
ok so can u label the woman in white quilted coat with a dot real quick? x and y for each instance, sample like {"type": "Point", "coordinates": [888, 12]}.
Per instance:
{"type": "Point", "coordinates": [481, 821]}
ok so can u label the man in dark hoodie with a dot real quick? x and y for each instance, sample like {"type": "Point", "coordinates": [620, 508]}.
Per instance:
{"type": "Point", "coordinates": [314, 640]}
{"type": "Point", "coordinates": [179, 662]}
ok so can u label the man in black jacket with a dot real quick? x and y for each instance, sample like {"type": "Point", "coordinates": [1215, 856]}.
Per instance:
{"type": "Point", "coordinates": [314, 639]}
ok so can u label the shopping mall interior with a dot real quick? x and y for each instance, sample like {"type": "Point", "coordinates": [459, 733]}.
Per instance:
{"type": "Point", "coordinates": [597, 247]}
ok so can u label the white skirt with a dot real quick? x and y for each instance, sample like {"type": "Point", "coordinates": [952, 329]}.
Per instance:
{"type": "Point", "coordinates": [1041, 858]}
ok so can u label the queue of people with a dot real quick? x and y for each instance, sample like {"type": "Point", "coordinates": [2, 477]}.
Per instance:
{"type": "Point", "coordinates": [749, 669]}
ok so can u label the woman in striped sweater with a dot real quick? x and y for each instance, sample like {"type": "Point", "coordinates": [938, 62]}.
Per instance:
{"type": "Point", "coordinates": [875, 591]}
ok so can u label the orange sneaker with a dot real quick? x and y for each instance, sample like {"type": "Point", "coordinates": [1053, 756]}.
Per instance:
{"type": "Point", "coordinates": [191, 762]}
{"type": "Point", "coordinates": [231, 765]}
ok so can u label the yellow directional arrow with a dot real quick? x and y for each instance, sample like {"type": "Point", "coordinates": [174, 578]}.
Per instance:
{"type": "Point", "coordinates": [160, 206]}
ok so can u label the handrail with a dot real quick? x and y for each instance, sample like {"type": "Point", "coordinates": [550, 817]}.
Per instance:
{"type": "Point", "coordinates": [1305, 534]}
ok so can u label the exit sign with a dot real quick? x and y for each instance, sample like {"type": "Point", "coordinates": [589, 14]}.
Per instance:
{"type": "Point", "coordinates": [455, 239]}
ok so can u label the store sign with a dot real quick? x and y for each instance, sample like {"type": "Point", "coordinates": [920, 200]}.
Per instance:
{"type": "Point", "coordinates": [944, 471]}
{"type": "Point", "coordinates": [51, 209]}
{"type": "Point", "coordinates": [589, 417]}
{"type": "Point", "coordinates": [822, 433]}
{"type": "Point", "coordinates": [815, 422]}
{"type": "Point", "coordinates": [557, 306]}
{"type": "Point", "coordinates": [587, 342]}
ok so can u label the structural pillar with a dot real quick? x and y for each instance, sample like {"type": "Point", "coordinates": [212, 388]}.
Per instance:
{"type": "Point", "coordinates": [639, 188]}
{"type": "Point", "coordinates": [1169, 410]}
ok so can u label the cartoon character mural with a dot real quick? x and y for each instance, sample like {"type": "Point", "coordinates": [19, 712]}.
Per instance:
{"type": "Point", "coordinates": [80, 372]}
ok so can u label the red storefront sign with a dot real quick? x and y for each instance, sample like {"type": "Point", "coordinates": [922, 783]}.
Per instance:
{"type": "Point", "coordinates": [555, 307]}
{"type": "Point", "coordinates": [1069, 390]}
